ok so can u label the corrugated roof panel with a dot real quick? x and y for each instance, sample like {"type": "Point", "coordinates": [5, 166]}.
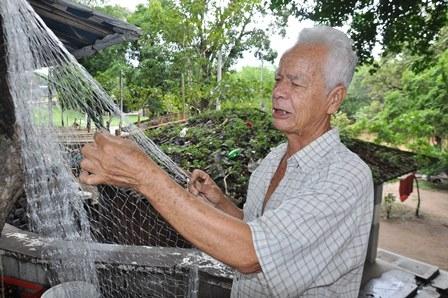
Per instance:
{"type": "Point", "coordinates": [83, 30]}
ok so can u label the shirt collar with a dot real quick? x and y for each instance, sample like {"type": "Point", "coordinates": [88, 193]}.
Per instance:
{"type": "Point", "coordinates": [313, 153]}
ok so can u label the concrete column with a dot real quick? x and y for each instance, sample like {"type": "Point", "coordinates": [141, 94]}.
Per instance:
{"type": "Point", "coordinates": [375, 229]}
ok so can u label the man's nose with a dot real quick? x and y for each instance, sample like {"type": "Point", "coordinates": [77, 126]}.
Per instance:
{"type": "Point", "coordinates": [279, 91]}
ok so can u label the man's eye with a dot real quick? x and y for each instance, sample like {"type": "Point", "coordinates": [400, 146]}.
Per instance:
{"type": "Point", "coordinates": [296, 84]}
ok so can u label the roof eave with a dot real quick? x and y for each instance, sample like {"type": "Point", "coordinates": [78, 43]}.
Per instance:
{"type": "Point", "coordinates": [100, 44]}
{"type": "Point", "coordinates": [83, 23]}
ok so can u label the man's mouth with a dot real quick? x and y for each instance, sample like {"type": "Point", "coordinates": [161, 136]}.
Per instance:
{"type": "Point", "coordinates": [279, 112]}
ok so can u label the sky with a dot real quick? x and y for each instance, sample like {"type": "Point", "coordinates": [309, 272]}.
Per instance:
{"type": "Point", "coordinates": [278, 43]}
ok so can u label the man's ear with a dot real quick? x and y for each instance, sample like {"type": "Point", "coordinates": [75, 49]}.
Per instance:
{"type": "Point", "coordinates": [335, 98]}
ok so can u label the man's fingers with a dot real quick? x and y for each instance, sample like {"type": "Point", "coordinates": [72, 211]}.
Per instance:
{"type": "Point", "coordinates": [91, 179]}
{"type": "Point", "coordinates": [192, 189]}
{"type": "Point", "coordinates": [191, 186]}
{"type": "Point", "coordinates": [89, 166]}
{"type": "Point", "coordinates": [104, 137]}
{"type": "Point", "coordinates": [198, 176]}
{"type": "Point", "coordinates": [89, 150]}
{"type": "Point", "coordinates": [199, 185]}
{"type": "Point", "coordinates": [100, 137]}
{"type": "Point", "coordinates": [204, 198]}
{"type": "Point", "coordinates": [198, 182]}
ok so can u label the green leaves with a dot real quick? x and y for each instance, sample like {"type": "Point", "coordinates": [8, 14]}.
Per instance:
{"type": "Point", "coordinates": [413, 111]}
{"type": "Point", "coordinates": [396, 24]}
{"type": "Point", "coordinates": [173, 64]}
{"type": "Point", "coordinates": [226, 144]}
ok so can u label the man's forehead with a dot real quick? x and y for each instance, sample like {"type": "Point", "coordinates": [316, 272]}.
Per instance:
{"type": "Point", "coordinates": [293, 73]}
{"type": "Point", "coordinates": [304, 58]}
{"type": "Point", "coordinates": [306, 50]}
{"type": "Point", "coordinates": [308, 47]}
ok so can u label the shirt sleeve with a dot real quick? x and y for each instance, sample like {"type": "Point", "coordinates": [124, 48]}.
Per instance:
{"type": "Point", "coordinates": [297, 241]}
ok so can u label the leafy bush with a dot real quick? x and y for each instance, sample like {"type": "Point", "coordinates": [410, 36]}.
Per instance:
{"type": "Point", "coordinates": [389, 200]}
{"type": "Point", "coordinates": [209, 139]}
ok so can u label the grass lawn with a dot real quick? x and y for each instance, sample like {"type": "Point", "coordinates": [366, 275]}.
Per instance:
{"type": "Point", "coordinates": [423, 184]}
{"type": "Point", "coordinates": [71, 117]}
{"type": "Point", "coordinates": [432, 186]}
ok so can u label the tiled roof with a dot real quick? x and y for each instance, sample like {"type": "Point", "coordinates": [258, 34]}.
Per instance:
{"type": "Point", "coordinates": [386, 163]}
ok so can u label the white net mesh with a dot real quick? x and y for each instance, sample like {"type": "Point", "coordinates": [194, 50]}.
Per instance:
{"type": "Point", "coordinates": [45, 80]}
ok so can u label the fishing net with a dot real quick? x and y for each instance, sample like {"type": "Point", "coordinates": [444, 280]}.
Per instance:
{"type": "Point", "coordinates": [47, 85]}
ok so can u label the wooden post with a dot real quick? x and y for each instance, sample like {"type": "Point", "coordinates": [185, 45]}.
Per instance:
{"type": "Point", "coordinates": [417, 211]}
{"type": "Point", "coordinates": [11, 175]}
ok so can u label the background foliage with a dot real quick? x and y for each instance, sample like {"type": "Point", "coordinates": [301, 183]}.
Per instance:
{"type": "Point", "coordinates": [229, 144]}
{"type": "Point", "coordinates": [399, 99]}
{"type": "Point", "coordinates": [173, 66]}
{"type": "Point", "coordinates": [399, 105]}
{"type": "Point", "coordinates": [395, 24]}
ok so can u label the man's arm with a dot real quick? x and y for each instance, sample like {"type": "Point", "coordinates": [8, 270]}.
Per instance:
{"type": "Point", "coordinates": [203, 186]}
{"type": "Point", "coordinates": [112, 160]}
{"type": "Point", "coordinates": [230, 208]}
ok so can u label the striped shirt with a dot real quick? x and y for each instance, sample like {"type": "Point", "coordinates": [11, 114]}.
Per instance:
{"type": "Point", "coordinates": [311, 240]}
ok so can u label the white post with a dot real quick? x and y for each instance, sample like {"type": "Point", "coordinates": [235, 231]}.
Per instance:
{"type": "Point", "coordinates": [50, 105]}
{"type": "Point", "coordinates": [218, 78]}
{"type": "Point", "coordinates": [121, 100]}
{"type": "Point", "coordinates": [262, 107]}
{"type": "Point", "coordinates": [183, 94]}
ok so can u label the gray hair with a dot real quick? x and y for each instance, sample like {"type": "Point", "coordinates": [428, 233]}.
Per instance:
{"type": "Point", "coordinates": [341, 59]}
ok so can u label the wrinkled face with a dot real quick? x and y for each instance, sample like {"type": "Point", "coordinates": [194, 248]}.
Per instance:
{"type": "Point", "coordinates": [299, 98]}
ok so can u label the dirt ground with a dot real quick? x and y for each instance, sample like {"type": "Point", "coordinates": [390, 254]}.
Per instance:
{"type": "Point", "coordinates": [424, 238]}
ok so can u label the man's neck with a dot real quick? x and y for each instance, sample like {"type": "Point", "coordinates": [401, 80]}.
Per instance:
{"type": "Point", "coordinates": [299, 141]}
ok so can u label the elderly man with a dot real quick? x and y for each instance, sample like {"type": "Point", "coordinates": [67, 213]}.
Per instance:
{"type": "Point", "coordinates": [304, 229]}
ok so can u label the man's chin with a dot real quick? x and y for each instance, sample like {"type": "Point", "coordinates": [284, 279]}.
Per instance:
{"type": "Point", "coordinates": [281, 125]}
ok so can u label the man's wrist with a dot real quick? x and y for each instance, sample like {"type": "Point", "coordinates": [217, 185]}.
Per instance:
{"type": "Point", "coordinates": [222, 202]}
{"type": "Point", "coordinates": [145, 176]}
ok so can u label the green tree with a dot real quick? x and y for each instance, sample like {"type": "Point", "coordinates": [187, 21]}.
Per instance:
{"type": "Point", "coordinates": [394, 23]}
{"type": "Point", "coordinates": [248, 87]}
{"type": "Point", "coordinates": [408, 105]}
{"type": "Point", "coordinates": [91, 3]}
{"type": "Point", "coordinates": [175, 60]}
{"type": "Point", "coordinates": [358, 94]}
{"type": "Point", "coordinates": [107, 65]}
{"type": "Point", "coordinates": [191, 35]}
{"type": "Point", "coordinates": [115, 11]}
{"type": "Point", "coordinates": [201, 29]}
{"type": "Point", "coordinates": [415, 114]}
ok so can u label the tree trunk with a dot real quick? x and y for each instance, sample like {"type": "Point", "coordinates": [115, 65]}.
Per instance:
{"type": "Point", "coordinates": [11, 175]}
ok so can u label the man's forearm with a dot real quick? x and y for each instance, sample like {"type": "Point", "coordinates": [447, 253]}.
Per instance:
{"type": "Point", "coordinates": [222, 235]}
{"type": "Point", "coordinates": [226, 205]}
{"type": "Point", "coordinates": [112, 160]}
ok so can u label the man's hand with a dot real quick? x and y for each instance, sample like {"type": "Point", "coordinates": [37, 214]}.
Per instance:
{"type": "Point", "coordinates": [114, 160]}
{"type": "Point", "coordinates": [220, 233]}
{"type": "Point", "coordinates": [203, 186]}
